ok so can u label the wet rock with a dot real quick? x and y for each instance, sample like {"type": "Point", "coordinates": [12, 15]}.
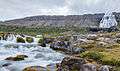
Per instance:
{"type": "Point", "coordinates": [35, 68]}
{"type": "Point", "coordinates": [48, 40]}
{"type": "Point", "coordinates": [39, 55]}
{"type": "Point", "coordinates": [117, 35]}
{"type": "Point", "coordinates": [102, 44]}
{"type": "Point", "coordinates": [7, 64]}
{"type": "Point", "coordinates": [118, 40]}
{"type": "Point", "coordinates": [52, 67]}
{"type": "Point", "coordinates": [17, 58]}
{"type": "Point", "coordinates": [71, 64]}
{"type": "Point", "coordinates": [105, 68]}
{"type": "Point", "coordinates": [29, 39]}
{"type": "Point", "coordinates": [88, 67]}
{"type": "Point", "coordinates": [77, 50]}
{"type": "Point", "coordinates": [59, 45]}
{"type": "Point", "coordinates": [92, 37]}
{"type": "Point", "coordinates": [20, 40]}
{"type": "Point", "coordinates": [42, 44]}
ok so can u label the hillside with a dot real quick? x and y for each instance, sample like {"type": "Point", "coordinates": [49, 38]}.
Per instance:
{"type": "Point", "coordinates": [86, 20]}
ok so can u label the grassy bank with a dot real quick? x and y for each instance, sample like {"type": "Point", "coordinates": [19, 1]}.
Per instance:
{"type": "Point", "coordinates": [40, 30]}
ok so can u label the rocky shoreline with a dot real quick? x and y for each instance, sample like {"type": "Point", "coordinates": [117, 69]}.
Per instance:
{"type": "Point", "coordinates": [89, 52]}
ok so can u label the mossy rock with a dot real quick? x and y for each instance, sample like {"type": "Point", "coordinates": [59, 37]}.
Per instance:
{"type": "Point", "coordinates": [117, 68]}
{"type": "Point", "coordinates": [35, 68]}
{"type": "Point", "coordinates": [92, 55]}
{"type": "Point", "coordinates": [17, 58]}
{"type": "Point", "coordinates": [41, 40]}
{"type": "Point", "coordinates": [20, 40]}
{"type": "Point", "coordinates": [29, 39]}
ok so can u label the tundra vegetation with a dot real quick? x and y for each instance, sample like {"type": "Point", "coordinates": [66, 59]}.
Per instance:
{"type": "Point", "coordinates": [98, 50]}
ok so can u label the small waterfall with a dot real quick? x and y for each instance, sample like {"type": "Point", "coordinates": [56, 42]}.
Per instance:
{"type": "Point", "coordinates": [37, 55]}
{"type": "Point", "coordinates": [3, 69]}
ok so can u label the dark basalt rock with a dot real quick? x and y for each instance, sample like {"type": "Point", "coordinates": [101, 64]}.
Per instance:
{"type": "Point", "coordinates": [48, 40]}
{"type": "Point", "coordinates": [42, 44]}
{"type": "Point", "coordinates": [17, 58]}
{"type": "Point", "coordinates": [65, 46]}
{"type": "Point", "coordinates": [35, 68]}
{"type": "Point", "coordinates": [5, 65]}
{"type": "Point", "coordinates": [59, 45]}
{"type": "Point", "coordinates": [71, 64]}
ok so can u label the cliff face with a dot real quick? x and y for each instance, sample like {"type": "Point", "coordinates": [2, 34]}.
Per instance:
{"type": "Point", "coordinates": [86, 20]}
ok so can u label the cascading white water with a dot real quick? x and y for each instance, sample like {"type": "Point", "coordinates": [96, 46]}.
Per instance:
{"type": "Point", "coordinates": [37, 55]}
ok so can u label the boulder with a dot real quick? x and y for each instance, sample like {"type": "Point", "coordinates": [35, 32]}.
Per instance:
{"type": "Point", "coordinates": [20, 40]}
{"type": "Point", "coordinates": [52, 67]}
{"type": "Point", "coordinates": [42, 42]}
{"type": "Point", "coordinates": [118, 40]}
{"type": "Point", "coordinates": [48, 40]}
{"type": "Point", "coordinates": [59, 45]}
{"type": "Point", "coordinates": [104, 68]}
{"type": "Point", "coordinates": [71, 64]}
{"type": "Point", "coordinates": [29, 39]}
{"type": "Point", "coordinates": [117, 35]}
{"type": "Point", "coordinates": [6, 64]}
{"type": "Point", "coordinates": [17, 58]}
{"type": "Point", "coordinates": [76, 50]}
{"type": "Point", "coordinates": [35, 68]}
{"type": "Point", "coordinates": [88, 67]}
{"type": "Point", "coordinates": [39, 55]}
{"type": "Point", "coordinates": [92, 37]}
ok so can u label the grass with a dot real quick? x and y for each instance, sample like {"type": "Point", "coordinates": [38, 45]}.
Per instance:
{"type": "Point", "coordinates": [105, 56]}
{"type": "Point", "coordinates": [40, 30]}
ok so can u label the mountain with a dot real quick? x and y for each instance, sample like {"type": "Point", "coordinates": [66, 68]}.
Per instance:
{"type": "Point", "coordinates": [86, 20]}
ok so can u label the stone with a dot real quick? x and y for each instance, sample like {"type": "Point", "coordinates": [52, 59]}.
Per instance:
{"type": "Point", "coordinates": [88, 67]}
{"type": "Point", "coordinates": [42, 44]}
{"type": "Point", "coordinates": [39, 55]}
{"type": "Point", "coordinates": [6, 64]}
{"type": "Point", "coordinates": [52, 67]}
{"type": "Point", "coordinates": [117, 35]}
{"type": "Point", "coordinates": [35, 68]}
{"type": "Point", "coordinates": [104, 68]}
{"type": "Point", "coordinates": [92, 37]}
{"type": "Point", "coordinates": [102, 44]}
{"type": "Point", "coordinates": [17, 58]}
{"type": "Point", "coordinates": [20, 40]}
{"type": "Point", "coordinates": [77, 50]}
{"type": "Point", "coordinates": [48, 40]}
{"type": "Point", "coordinates": [118, 40]}
{"type": "Point", "coordinates": [29, 39]}
{"type": "Point", "coordinates": [71, 64]}
{"type": "Point", "coordinates": [59, 45]}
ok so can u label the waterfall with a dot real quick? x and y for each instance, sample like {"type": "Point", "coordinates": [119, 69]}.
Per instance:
{"type": "Point", "coordinates": [108, 21]}
{"type": "Point", "coordinates": [37, 55]}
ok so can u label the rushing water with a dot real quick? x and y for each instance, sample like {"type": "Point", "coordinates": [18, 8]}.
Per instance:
{"type": "Point", "coordinates": [37, 55]}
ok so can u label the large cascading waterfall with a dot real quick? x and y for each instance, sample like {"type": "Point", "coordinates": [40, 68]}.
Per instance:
{"type": "Point", "coordinates": [12, 38]}
{"type": "Point", "coordinates": [108, 21]}
{"type": "Point", "coordinates": [37, 55]}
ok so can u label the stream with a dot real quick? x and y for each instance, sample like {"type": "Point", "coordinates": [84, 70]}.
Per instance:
{"type": "Point", "coordinates": [37, 55]}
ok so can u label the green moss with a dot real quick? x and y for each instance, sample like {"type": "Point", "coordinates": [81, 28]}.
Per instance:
{"type": "Point", "coordinates": [92, 55]}
{"type": "Point", "coordinates": [41, 40]}
{"type": "Point", "coordinates": [20, 40]}
{"type": "Point", "coordinates": [29, 39]}
{"type": "Point", "coordinates": [117, 68]}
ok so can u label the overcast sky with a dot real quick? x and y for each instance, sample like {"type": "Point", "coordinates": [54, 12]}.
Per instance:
{"type": "Point", "coordinates": [11, 9]}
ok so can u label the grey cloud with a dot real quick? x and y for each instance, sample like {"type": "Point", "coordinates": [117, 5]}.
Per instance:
{"type": "Point", "coordinates": [10, 9]}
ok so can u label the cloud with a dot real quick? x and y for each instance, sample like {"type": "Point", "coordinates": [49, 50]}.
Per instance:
{"type": "Point", "coordinates": [11, 9]}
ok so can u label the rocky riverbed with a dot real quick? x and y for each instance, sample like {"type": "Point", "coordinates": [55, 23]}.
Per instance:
{"type": "Point", "coordinates": [89, 52]}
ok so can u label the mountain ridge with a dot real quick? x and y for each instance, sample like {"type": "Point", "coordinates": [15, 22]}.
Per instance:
{"type": "Point", "coordinates": [86, 20]}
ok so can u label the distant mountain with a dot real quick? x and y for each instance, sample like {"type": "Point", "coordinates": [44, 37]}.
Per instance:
{"type": "Point", "coordinates": [86, 20]}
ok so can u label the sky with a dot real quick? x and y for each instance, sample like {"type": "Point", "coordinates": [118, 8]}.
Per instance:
{"type": "Point", "coordinates": [13, 9]}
